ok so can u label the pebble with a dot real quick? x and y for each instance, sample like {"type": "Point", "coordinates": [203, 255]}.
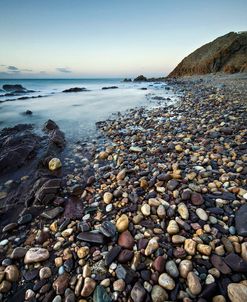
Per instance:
{"type": "Point", "coordinates": [45, 273]}
{"type": "Point", "coordinates": [166, 281]}
{"type": "Point", "coordinates": [146, 209]}
{"type": "Point", "coordinates": [5, 286]}
{"type": "Point", "coordinates": [108, 229]}
{"type": "Point", "coordinates": [122, 223]}
{"type": "Point", "coordinates": [36, 255]}
{"type": "Point", "coordinates": [183, 211]}
{"type": "Point", "coordinates": [88, 287]}
{"type": "Point", "coordinates": [12, 273]}
{"type": "Point", "coordinates": [204, 249]}
{"type": "Point", "coordinates": [237, 292]}
{"type": "Point", "coordinates": [185, 266]}
{"type": "Point", "coordinates": [126, 240]}
{"type": "Point", "coordinates": [158, 294]}
{"type": "Point", "coordinates": [201, 214]}
{"type": "Point", "coordinates": [172, 227]}
{"type": "Point", "coordinates": [194, 284]}
{"type": "Point", "coordinates": [54, 164]}
{"type": "Point", "coordinates": [152, 246]}
{"type": "Point", "coordinates": [4, 242]}
{"type": "Point", "coordinates": [107, 198]}
{"type": "Point", "coordinates": [138, 293]}
{"type": "Point", "coordinates": [190, 246]}
{"type": "Point", "coordinates": [172, 269]}
{"type": "Point", "coordinates": [119, 285]}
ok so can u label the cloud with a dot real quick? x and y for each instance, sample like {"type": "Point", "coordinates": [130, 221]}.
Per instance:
{"type": "Point", "coordinates": [2, 65]}
{"type": "Point", "coordinates": [12, 68]}
{"type": "Point", "coordinates": [3, 74]}
{"type": "Point", "coordinates": [62, 69]}
{"type": "Point", "coordinates": [28, 70]}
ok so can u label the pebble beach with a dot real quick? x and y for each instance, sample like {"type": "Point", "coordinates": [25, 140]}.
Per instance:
{"type": "Point", "coordinates": [156, 211]}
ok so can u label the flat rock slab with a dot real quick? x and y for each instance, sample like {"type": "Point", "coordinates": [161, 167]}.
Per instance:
{"type": "Point", "coordinates": [219, 263]}
{"type": "Point", "coordinates": [73, 208]}
{"type": "Point", "coordinates": [91, 237]}
{"type": "Point", "coordinates": [236, 263]}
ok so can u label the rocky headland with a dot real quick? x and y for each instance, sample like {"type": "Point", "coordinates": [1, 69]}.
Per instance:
{"type": "Point", "coordinates": [225, 54]}
{"type": "Point", "coordinates": [156, 213]}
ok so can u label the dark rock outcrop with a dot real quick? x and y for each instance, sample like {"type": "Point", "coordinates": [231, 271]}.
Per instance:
{"type": "Point", "coordinates": [225, 54]}
{"type": "Point", "coordinates": [75, 89]}
{"type": "Point", "coordinates": [15, 87]}
{"type": "Point", "coordinates": [140, 78]}
{"type": "Point", "coordinates": [127, 80]}
{"type": "Point", "coordinates": [110, 87]}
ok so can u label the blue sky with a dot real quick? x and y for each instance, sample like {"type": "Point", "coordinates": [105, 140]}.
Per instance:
{"type": "Point", "coordinates": [111, 38]}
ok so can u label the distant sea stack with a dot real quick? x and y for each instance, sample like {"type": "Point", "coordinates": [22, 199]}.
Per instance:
{"type": "Point", "coordinates": [225, 54]}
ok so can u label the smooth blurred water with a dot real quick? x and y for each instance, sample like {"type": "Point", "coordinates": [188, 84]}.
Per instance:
{"type": "Point", "coordinates": [75, 113]}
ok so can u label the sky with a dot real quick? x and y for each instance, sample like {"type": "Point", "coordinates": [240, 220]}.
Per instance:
{"type": "Point", "coordinates": [110, 38]}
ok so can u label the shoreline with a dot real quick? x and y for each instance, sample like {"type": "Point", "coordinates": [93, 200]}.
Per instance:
{"type": "Point", "coordinates": [152, 215]}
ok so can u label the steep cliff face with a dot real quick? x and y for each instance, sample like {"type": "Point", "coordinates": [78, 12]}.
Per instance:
{"type": "Point", "coordinates": [225, 54]}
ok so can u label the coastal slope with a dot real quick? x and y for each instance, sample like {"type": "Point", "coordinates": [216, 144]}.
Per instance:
{"type": "Point", "coordinates": [225, 54]}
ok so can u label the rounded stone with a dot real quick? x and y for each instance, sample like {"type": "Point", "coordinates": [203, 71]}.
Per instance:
{"type": "Point", "coordinates": [107, 198]}
{"type": "Point", "coordinates": [36, 254]}
{"type": "Point", "coordinates": [12, 273]}
{"type": "Point", "coordinates": [158, 294]}
{"type": "Point", "coordinates": [183, 211]}
{"type": "Point", "coordinates": [201, 214]}
{"type": "Point", "coordinates": [45, 273]}
{"type": "Point", "coordinates": [146, 209]}
{"type": "Point", "coordinates": [83, 252]}
{"type": "Point", "coordinates": [152, 246]}
{"type": "Point", "coordinates": [122, 223]}
{"type": "Point", "coordinates": [185, 266]}
{"type": "Point", "coordinates": [54, 164]}
{"type": "Point", "coordinates": [237, 292]}
{"type": "Point", "coordinates": [172, 227]}
{"type": "Point", "coordinates": [166, 281]}
{"type": "Point", "coordinates": [88, 287]}
{"type": "Point", "coordinates": [194, 284]}
{"type": "Point", "coordinates": [119, 285]}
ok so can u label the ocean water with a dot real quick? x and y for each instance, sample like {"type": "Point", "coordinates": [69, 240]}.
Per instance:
{"type": "Point", "coordinates": [76, 113]}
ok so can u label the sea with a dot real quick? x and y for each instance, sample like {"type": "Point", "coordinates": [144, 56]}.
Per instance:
{"type": "Point", "coordinates": [76, 113]}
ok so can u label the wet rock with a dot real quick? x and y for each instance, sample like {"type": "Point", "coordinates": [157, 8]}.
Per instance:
{"type": "Point", "coordinates": [53, 213]}
{"type": "Point", "coordinates": [24, 219]}
{"type": "Point", "coordinates": [138, 293]}
{"type": "Point", "coordinates": [5, 286]}
{"type": "Point", "coordinates": [18, 253]}
{"type": "Point", "coordinates": [75, 89]}
{"type": "Point", "coordinates": [73, 208]}
{"type": "Point", "coordinates": [36, 255]}
{"type": "Point", "coordinates": [125, 273]}
{"type": "Point", "coordinates": [45, 273]}
{"type": "Point", "coordinates": [48, 191]}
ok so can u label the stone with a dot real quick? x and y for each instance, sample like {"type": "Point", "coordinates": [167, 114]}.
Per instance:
{"type": "Point", "coordinates": [5, 286]}
{"type": "Point", "coordinates": [138, 293]}
{"type": "Point", "coordinates": [53, 213]}
{"type": "Point", "coordinates": [107, 198]}
{"type": "Point", "coordinates": [119, 285]}
{"type": "Point", "coordinates": [194, 284]}
{"type": "Point", "coordinates": [45, 273]}
{"type": "Point", "coordinates": [125, 273]}
{"type": "Point", "coordinates": [29, 294]}
{"type": "Point", "coordinates": [122, 223]}
{"type": "Point", "coordinates": [219, 298]}
{"type": "Point", "coordinates": [172, 227]}
{"type": "Point", "coordinates": [171, 269]}
{"type": "Point", "coordinates": [166, 281]}
{"type": "Point", "coordinates": [47, 192]}
{"type": "Point", "coordinates": [241, 221]}
{"type": "Point", "coordinates": [219, 263]}
{"type": "Point", "coordinates": [9, 227]}
{"type": "Point", "coordinates": [183, 211]}
{"type": "Point", "coordinates": [24, 219]}
{"type": "Point", "coordinates": [74, 208]}
{"type": "Point", "coordinates": [161, 211]}
{"type": "Point", "coordinates": [197, 199]}
{"type": "Point", "coordinates": [101, 295]}
{"type": "Point", "coordinates": [172, 184]}
{"type": "Point", "coordinates": [126, 240]}
{"type": "Point", "coordinates": [204, 249]}
{"type": "Point", "coordinates": [12, 273]}
{"type": "Point", "coordinates": [201, 214]}
{"type": "Point", "coordinates": [88, 287]}
{"type": "Point", "coordinates": [146, 209]}
{"type": "Point", "coordinates": [236, 263]}
{"type": "Point", "coordinates": [190, 246]}
{"type": "Point", "coordinates": [158, 294]}
{"type": "Point", "coordinates": [61, 283]}
{"type": "Point", "coordinates": [91, 237]}
{"type": "Point", "coordinates": [83, 252]}
{"type": "Point", "coordinates": [112, 255]}
{"type": "Point", "coordinates": [152, 246]}
{"type": "Point", "coordinates": [177, 239]}
{"type": "Point", "coordinates": [159, 264]}
{"type": "Point", "coordinates": [125, 256]}
{"type": "Point", "coordinates": [135, 149]}
{"type": "Point", "coordinates": [108, 229]}
{"type": "Point", "coordinates": [54, 164]}
{"type": "Point", "coordinates": [36, 254]}
{"type": "Point", "coordinates": [18, 253]}
{"type": "Point", "coordinates": [185, 266]}
{"type": "Point", "coordinates": [121, 175]}
{"type": "Point", "coordinates": [237, 292]}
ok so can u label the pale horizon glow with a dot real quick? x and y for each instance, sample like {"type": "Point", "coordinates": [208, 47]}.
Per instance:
{"type": "Point", "coordinates": [92, 39]}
